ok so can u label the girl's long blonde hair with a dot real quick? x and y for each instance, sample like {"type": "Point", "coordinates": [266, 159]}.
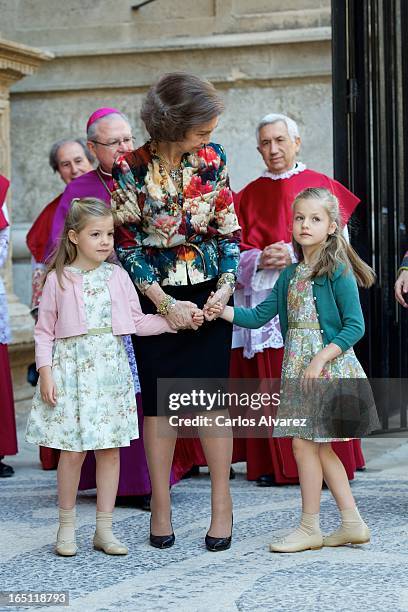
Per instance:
{"type": "Point", "coordinates": [80, 212]}
{"type": "Point", "coordinates": [336, 250]}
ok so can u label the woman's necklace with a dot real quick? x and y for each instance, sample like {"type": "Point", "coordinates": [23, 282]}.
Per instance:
{"type": "Point", "coordinates": [175, 174]}
{"type": "Point", "coordinates": [104, 183]}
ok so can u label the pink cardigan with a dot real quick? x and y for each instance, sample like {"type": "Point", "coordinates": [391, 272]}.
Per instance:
{"type": "Point", "coordinates": [61, 313]}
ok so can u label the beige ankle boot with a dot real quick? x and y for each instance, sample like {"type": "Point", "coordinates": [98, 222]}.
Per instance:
{"type": "Point", "coordinates": [66, 544]}
{"type": "Point", "coordinates": [352, 530]}
{"type": "Point", "coordinates": [104, 538]}
{"type": "Point", "coordinates": [305, 537]}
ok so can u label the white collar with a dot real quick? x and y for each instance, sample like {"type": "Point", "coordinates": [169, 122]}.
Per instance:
{"type": "Point", "coordinates": [103, 172]}
{"type": "Point", "coordinates": [297, 168]}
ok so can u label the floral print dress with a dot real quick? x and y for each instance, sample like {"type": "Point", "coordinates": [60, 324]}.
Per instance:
{"type": "Point", "coordinates": [96, 405]}
{"type": "Point", "coordinates": [301, 345]}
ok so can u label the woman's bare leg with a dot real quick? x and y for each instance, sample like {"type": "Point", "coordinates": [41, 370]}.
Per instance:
{"type": "Point", "coordinates": [218, 453]}
{"type": "Point", "coordinates": [159, 442]}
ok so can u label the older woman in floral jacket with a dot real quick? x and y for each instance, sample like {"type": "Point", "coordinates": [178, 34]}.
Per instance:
{"type": "Point", "coordinates": [178, 238]}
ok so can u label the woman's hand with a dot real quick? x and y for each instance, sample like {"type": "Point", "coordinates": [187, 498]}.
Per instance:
{"type": "Point", "coordinates": [180, 315]}
{"type": "Point", "coordinates": [221, 296]}
{"type": "Point", "coordinates": [48, 390]}
{"type": "Point", "coordinates": [401, 287]}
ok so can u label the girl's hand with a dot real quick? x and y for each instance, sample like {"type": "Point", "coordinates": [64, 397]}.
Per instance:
{"type": "Point", "coordinates": [216, 310]}
{"type": "Point", "coordinates": [221, 296]}
{"type": "Point", "coordinates": [197, 317]}
{"type": "Point", "coordinates": [48, 390]}
{"type": "Point", "coordinates": [313, 371]}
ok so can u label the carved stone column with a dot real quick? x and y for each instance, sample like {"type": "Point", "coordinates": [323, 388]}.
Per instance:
{"type": "Point", "coordinates": [16, 62]}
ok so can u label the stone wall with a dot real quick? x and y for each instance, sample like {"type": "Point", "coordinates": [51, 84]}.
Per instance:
{"type": "Point", "coordinates": [263, 59]}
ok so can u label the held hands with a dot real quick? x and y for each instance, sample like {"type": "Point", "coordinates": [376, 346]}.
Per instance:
{"type": "Point", "coordinates": [213, 312]}
{"type": "Point", "coordinates": [216, 302]}
{"type": "Point", "coordinates": [185, 315]}
{"type": "Point", "coordinates": [276, 256]}
{"type": "Point", "coordinates": [197, 317]}
{"type": "Point", "coordinates": [48, 390]}
{"type": "Point", "coordinates": [401, 288]}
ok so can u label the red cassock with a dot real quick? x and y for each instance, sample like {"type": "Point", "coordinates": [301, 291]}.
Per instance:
{"type": "Point", "coordinates": [8, 436]}
{"type": "Point", "coordinates": [39, 234]}
{"type": "Point", "coordinates": [265, 214]}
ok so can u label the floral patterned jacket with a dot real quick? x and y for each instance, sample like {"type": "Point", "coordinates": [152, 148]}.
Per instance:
{"type": "Point", "coordinates": [169, 237]}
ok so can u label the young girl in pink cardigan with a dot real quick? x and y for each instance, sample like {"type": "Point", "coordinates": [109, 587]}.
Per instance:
{"type": "Point", "coordinates": [85, 398]}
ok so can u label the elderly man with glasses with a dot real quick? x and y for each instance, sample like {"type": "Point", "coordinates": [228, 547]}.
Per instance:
{"type": "Point", "coordinates": [109, 135]}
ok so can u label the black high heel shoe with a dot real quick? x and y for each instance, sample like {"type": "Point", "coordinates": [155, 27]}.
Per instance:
{"type": "Point", "coordinates": [217, 544]}
{"type": "Point", "coordinates": [165, 541]}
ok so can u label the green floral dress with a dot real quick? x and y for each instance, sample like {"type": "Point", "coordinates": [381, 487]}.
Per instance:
{"type": "Point", "coordinates": [96, 405]}
{"type": "Point", "coordinates": [301, 345]}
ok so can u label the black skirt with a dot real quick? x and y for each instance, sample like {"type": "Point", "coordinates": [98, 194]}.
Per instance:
{"type": "Point", "coordinates": [204, 353]}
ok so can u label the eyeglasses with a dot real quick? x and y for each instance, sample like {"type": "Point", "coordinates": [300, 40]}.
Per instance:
{"type": "Point", "coordinates": [129, 140]}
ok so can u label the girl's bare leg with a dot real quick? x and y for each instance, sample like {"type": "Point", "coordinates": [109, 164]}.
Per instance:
{"type": "Point", "coordinates": [107, 478]}
{"type": "Point", "coordinates": [68, 475]}
{"type": "Point", "coordinates": [307, 535]}
{"type": "Point", "coordinates": [335, 477]}
{"type": "Point", "coordinates": [353, 529]}
{"type": "Point", "coordinates": [310, 471]}
{"type": "Point", "coordinates": [159, 442]}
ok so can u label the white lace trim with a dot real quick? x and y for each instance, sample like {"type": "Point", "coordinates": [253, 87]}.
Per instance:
{"type": "Point", "coordinates": [297, 168]}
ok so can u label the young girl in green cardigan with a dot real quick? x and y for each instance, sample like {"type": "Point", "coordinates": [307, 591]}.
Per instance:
{"type": "Point", "coordinates": [321, 319]}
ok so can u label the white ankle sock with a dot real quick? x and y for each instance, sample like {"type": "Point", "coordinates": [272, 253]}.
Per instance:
{"type": "Point", "coordinates": [351, 516]}
{"type": "Point", "coordinates": [66, 531]}
{"type": "Point", "coordinates": [309, 525]}
{"type": "Point", "coordinates": [104, 527]}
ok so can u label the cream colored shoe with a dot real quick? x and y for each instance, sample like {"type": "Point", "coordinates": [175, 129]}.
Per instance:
{"type": "Point", "coordinates": [353, 530]}
{"type": "Point", "coordinates": [296, 542]}
{"type": "Point", "coordinates": [104, 538]}
{"type": "Point", "coordinates": [66, 543]}
{"type": "Point", "coordinates": [305, 537]}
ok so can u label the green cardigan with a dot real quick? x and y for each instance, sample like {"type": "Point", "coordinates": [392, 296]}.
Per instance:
{"type": "Point", "coordinates": [337, 305]}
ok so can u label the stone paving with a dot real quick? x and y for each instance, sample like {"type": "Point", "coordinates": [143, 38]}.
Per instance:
{"type": "Point", "coordinates": [187, 577]}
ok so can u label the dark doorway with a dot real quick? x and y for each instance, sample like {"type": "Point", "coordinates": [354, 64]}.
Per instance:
{"type": "Point", "coordinates": [370, 103]}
